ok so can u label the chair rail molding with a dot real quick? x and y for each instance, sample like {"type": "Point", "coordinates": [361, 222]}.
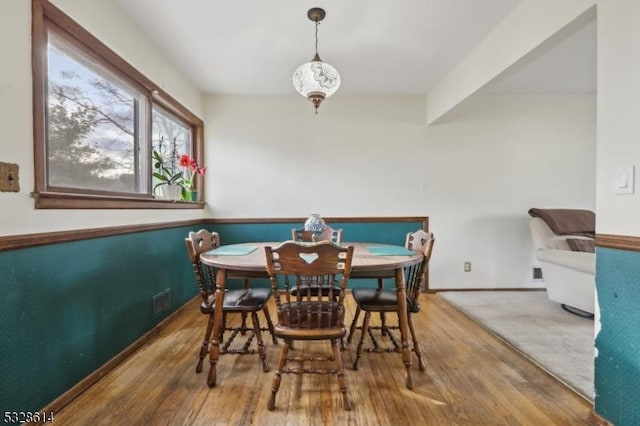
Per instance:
{"type": "Point", "coordinates": [620, 242]}
{"type": "Point", "coordinates": [13, 242]}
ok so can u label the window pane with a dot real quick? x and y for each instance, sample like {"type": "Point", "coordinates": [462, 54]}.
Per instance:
{"type": "Point", "coordinates": [93, 119]}
{"type": "Point", "coordinates": [171, 138]}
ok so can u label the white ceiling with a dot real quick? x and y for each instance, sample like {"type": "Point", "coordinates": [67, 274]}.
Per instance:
{"type": "Point", "coordinates": [566, 63]}
{"type": "Point", "coordinates": [378, 46]}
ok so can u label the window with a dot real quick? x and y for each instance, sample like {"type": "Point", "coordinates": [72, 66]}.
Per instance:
{"type": "Point", "coordinates": [95, 123]}
{"type": "Point", "coordinates": [98, 121]}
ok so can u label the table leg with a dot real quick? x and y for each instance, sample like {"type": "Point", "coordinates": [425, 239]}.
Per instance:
{"type": "Point", "coordinates": [404, 328]}
{"type": "Point", "coordinates": [214, 353]}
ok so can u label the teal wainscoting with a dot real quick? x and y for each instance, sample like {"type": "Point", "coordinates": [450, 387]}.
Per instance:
{"type": "Point", "coordinates": [365, 230]}
{"type": "Point", "coordinates": [617, 365]}
{"type": "Point", "coordinates": [68, 308]}
{"type": "Point", "coordinates": [392, 232]}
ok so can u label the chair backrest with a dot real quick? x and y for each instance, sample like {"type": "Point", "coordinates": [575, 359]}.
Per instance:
{"type": "Point", "coordinates": [300, 235]}
{"type": "Point", "coordinates": [329, 234]}
{"type": "Point", "coordinates": [417, 240]}
{"type": "Point", "coordinates": [414, 275]}
{"type": "Point", "coordinates": [323, 265]}
{"type": "Point", "coordinates": [197, 243]}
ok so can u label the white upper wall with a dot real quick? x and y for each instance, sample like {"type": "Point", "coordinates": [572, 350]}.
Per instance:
{"type": "Point", "coordinates": [618, 114]}
{"type": "Point", "coordinates": [106, 21]}
{"type": "Point", "coordinates": [474, 176]}
{"type": "Point", "coordinates": [16, 144]}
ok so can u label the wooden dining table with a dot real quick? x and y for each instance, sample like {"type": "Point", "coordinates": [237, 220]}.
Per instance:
{"type": "Point", "coordinates": [248, 260]}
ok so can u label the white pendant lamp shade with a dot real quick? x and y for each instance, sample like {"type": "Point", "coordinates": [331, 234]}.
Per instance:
{"type": "Point", "coordinates": [316, 80]}
{"type": "Point", "coordinates": [316, 77]}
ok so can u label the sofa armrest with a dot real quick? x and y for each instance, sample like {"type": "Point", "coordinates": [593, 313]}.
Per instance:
{"type": "Point", "coordinates": [580, 261]}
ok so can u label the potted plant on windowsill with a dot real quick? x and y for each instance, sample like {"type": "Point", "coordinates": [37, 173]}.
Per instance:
{"type": "Point", "coordinates": [176, 176]}
{"type": "Point", "coordinates": [168, 175]}
{"type": "Point", "coordinates": [192, 170]}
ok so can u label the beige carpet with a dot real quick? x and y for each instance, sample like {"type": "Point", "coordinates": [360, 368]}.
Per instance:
{"type": "Point", "coordinates": [560, 342]}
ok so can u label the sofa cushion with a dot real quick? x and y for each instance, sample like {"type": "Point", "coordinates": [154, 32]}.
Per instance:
{"type": "Point", "coordinates": [577, 260]}
{"type": "Point", "coordinates": [588, 246]}
{"type": "Point", "coordinates": [567, 221]}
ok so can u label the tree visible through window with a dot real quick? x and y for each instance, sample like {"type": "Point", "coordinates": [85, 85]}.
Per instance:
{"type": "Point", "coordinates": [93, 121]}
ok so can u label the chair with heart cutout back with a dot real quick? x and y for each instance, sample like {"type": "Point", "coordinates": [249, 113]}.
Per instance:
{"type": "Point", "coordinates": [242, 301]}
{"type": "Point", "coordinates": [309, 316]}
{"type": "Point", "coordinates": [383, 300]}
{"type": "Point", "coordinates": [329, 234]}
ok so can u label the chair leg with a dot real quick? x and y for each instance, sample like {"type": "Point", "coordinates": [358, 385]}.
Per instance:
{"type": "Point", "coordinates": [383, 322]}
{"type": "Point", "coordinates": [265, 310]}
{"type": "Point", "coordinates": [223, 327]}
{"type": "Point", "coordinates": [277, 378]}
{"type": "Point", "coordinates": [245, 285]}
{"type": "Point", "coordinates": [416, 345]}
{"type": "Point", "coordinates": [205, 344]}
{"type": "Point", "coordinates": [342, 383]}
{"type": "Point", "coordinates": [261, 349]}
{"type": "Point", "coordinates": [243, 326]}
{"type": "Point", "coordinates": [354, 323]}
{"type": "Point", "coordinates": [383, 325]}
{"type": "Point", "coordinates": [365, 327]}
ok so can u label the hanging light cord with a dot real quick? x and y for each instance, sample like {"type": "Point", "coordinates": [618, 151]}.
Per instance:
{"type": "Point", "coordinates": [317, 37]}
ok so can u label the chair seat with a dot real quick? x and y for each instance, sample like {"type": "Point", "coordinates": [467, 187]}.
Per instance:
{"type": "Point", "coordinates": [381, 300]}
{"type": "Point", "coordinates": [373, 274]}
{"type": "Point", "coordinates": [289, 333]}
{"type": "Point", "coordinates": [375, 299]}
{"type": "Point", "coordinates": [246, 300]}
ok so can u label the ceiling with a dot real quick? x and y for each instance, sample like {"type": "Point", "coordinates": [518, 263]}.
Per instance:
{"type": "Point", "coordinates": [378, 46]}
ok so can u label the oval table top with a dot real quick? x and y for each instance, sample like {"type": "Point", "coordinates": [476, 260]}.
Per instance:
{"type": "Point", "coordinates": [363, 259]}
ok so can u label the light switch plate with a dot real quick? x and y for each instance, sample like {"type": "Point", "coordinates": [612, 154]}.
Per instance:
{"type": "Point", "coordinates": [9, 179]}
{"type": "Point", "coordinates": [625, 180]}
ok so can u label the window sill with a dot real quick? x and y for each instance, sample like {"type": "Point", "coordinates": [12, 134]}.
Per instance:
{"type": "Point", "coordinates": [57, 200]}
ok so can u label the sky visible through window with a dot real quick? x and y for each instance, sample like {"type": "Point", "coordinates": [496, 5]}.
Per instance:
{"type": "Point", "coordinates": [95, 103]}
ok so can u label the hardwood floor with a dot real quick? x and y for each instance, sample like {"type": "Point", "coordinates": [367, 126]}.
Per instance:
{"type": "Point", "coordinates": [471, 379]}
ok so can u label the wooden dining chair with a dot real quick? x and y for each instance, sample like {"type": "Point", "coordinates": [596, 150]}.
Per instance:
{"type": "Point", "coordinates": [380, 276]}
{"type": "Point", "coordinates": [383, 300]}
{"type": "Point", "coordinates": [241, 301]}
{"type": "Point", "coordinates": [309, 317]}
{"type": "Point", "coordinates": [329, 234]}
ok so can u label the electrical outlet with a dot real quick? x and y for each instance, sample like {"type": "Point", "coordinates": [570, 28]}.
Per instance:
{"type": "Point", "coordinates": [161, 303]}
{"type": "Point", "coordinates": [467, 266]}
{"type": "Point", "coordinates": [537, 273]}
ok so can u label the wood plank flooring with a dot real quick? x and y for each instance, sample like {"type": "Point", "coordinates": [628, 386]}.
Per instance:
{"type": "Point", "coordinates": [472, 378]}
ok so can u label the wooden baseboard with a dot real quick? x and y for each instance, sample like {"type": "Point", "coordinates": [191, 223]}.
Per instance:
{"type": "Point", "coordinates": [597, 420]}
{"type": "Point", "coordinates": [438, 290]}
{"type": "Point", "coordinates": [71, 394]}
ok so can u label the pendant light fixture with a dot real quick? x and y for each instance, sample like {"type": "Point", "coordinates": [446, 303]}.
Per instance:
{"type": "Point", "coordinates": [316, 80]}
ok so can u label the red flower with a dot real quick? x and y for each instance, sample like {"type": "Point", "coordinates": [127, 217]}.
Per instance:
{"type": "Point", "coordinates": [185, 161]}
